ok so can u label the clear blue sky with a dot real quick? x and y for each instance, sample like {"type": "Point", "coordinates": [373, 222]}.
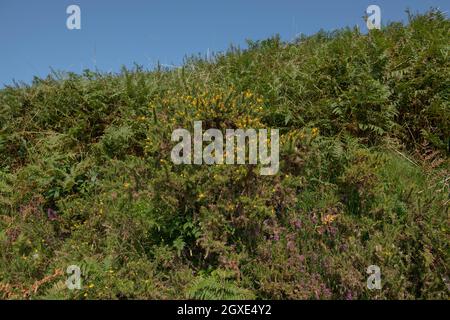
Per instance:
{"type": "Point", "coordinates": [34, 37]}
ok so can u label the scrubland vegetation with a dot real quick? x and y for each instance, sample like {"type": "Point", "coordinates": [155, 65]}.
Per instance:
{"type": "Point", "coordinates": [86, 177]}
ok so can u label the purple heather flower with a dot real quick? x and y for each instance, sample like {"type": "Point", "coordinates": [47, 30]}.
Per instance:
{"type": "Point", "coordinates": [349, 296]}
{"type": "Point", "coordinates": [326, 291]}
{"type": "Point", "coordinates": [332, 231]}
{"type": "Point", "coordinates": [297, 223]}
{"type": "Point", "coordinates": [291, 245]}
{"type": "Point", "coordinates": [51, 214]}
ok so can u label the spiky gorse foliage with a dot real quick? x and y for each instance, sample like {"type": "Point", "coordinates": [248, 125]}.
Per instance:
{"type": "Point", "coordinates": [86, 176]}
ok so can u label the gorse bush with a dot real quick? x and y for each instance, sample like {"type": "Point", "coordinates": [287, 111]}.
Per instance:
{"type": "Point", "coordinates": [86, 177]}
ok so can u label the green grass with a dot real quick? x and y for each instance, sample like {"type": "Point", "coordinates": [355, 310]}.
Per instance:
{"type": "Point", "coordinates": [363, 180]}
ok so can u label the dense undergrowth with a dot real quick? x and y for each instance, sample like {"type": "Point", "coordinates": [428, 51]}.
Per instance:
{"type": "Point", "coordinates": [86, 177]}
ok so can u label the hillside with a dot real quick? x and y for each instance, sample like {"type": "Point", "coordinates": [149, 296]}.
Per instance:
{"type": "Point", "coordinates": [86, 176]}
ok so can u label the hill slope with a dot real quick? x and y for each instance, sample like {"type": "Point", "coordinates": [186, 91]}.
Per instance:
{"type": "Point", "coordinates": [86, 177]}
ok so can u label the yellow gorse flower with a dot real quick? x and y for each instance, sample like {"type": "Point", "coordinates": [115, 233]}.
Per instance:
{"type": "Point", "coordinates": [244, 109]}
{"type": "Point", "coordinates": [329, 218]}
{"type": "Point", "coordinates": [314, 132]}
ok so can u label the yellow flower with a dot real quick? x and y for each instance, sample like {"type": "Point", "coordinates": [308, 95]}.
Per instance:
{"type": "Point", "coordinates": [315, 132]}
{"type": "Point", "coordinates": [329, 218]}
{"type": "Point", "coordinates": [91, 286]}
{"type": "Point", "coordinates": [126, 185]}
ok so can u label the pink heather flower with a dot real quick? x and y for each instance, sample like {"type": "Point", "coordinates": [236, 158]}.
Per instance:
{"type": "Point", "coordinates": [297, 223]}
{"type": "Point", "coordinates": [291, 245]}
{"type": "Point", "coordinates": [51, 214]}
{"type": "Point", "coordinates": [332, 231]}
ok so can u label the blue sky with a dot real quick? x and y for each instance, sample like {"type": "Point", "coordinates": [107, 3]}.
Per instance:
{"type": "Point", "coordinates": [34, 36]}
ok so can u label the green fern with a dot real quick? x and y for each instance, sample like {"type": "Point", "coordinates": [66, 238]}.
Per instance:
{"type": "Point", "coordinates": [217, 286]}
